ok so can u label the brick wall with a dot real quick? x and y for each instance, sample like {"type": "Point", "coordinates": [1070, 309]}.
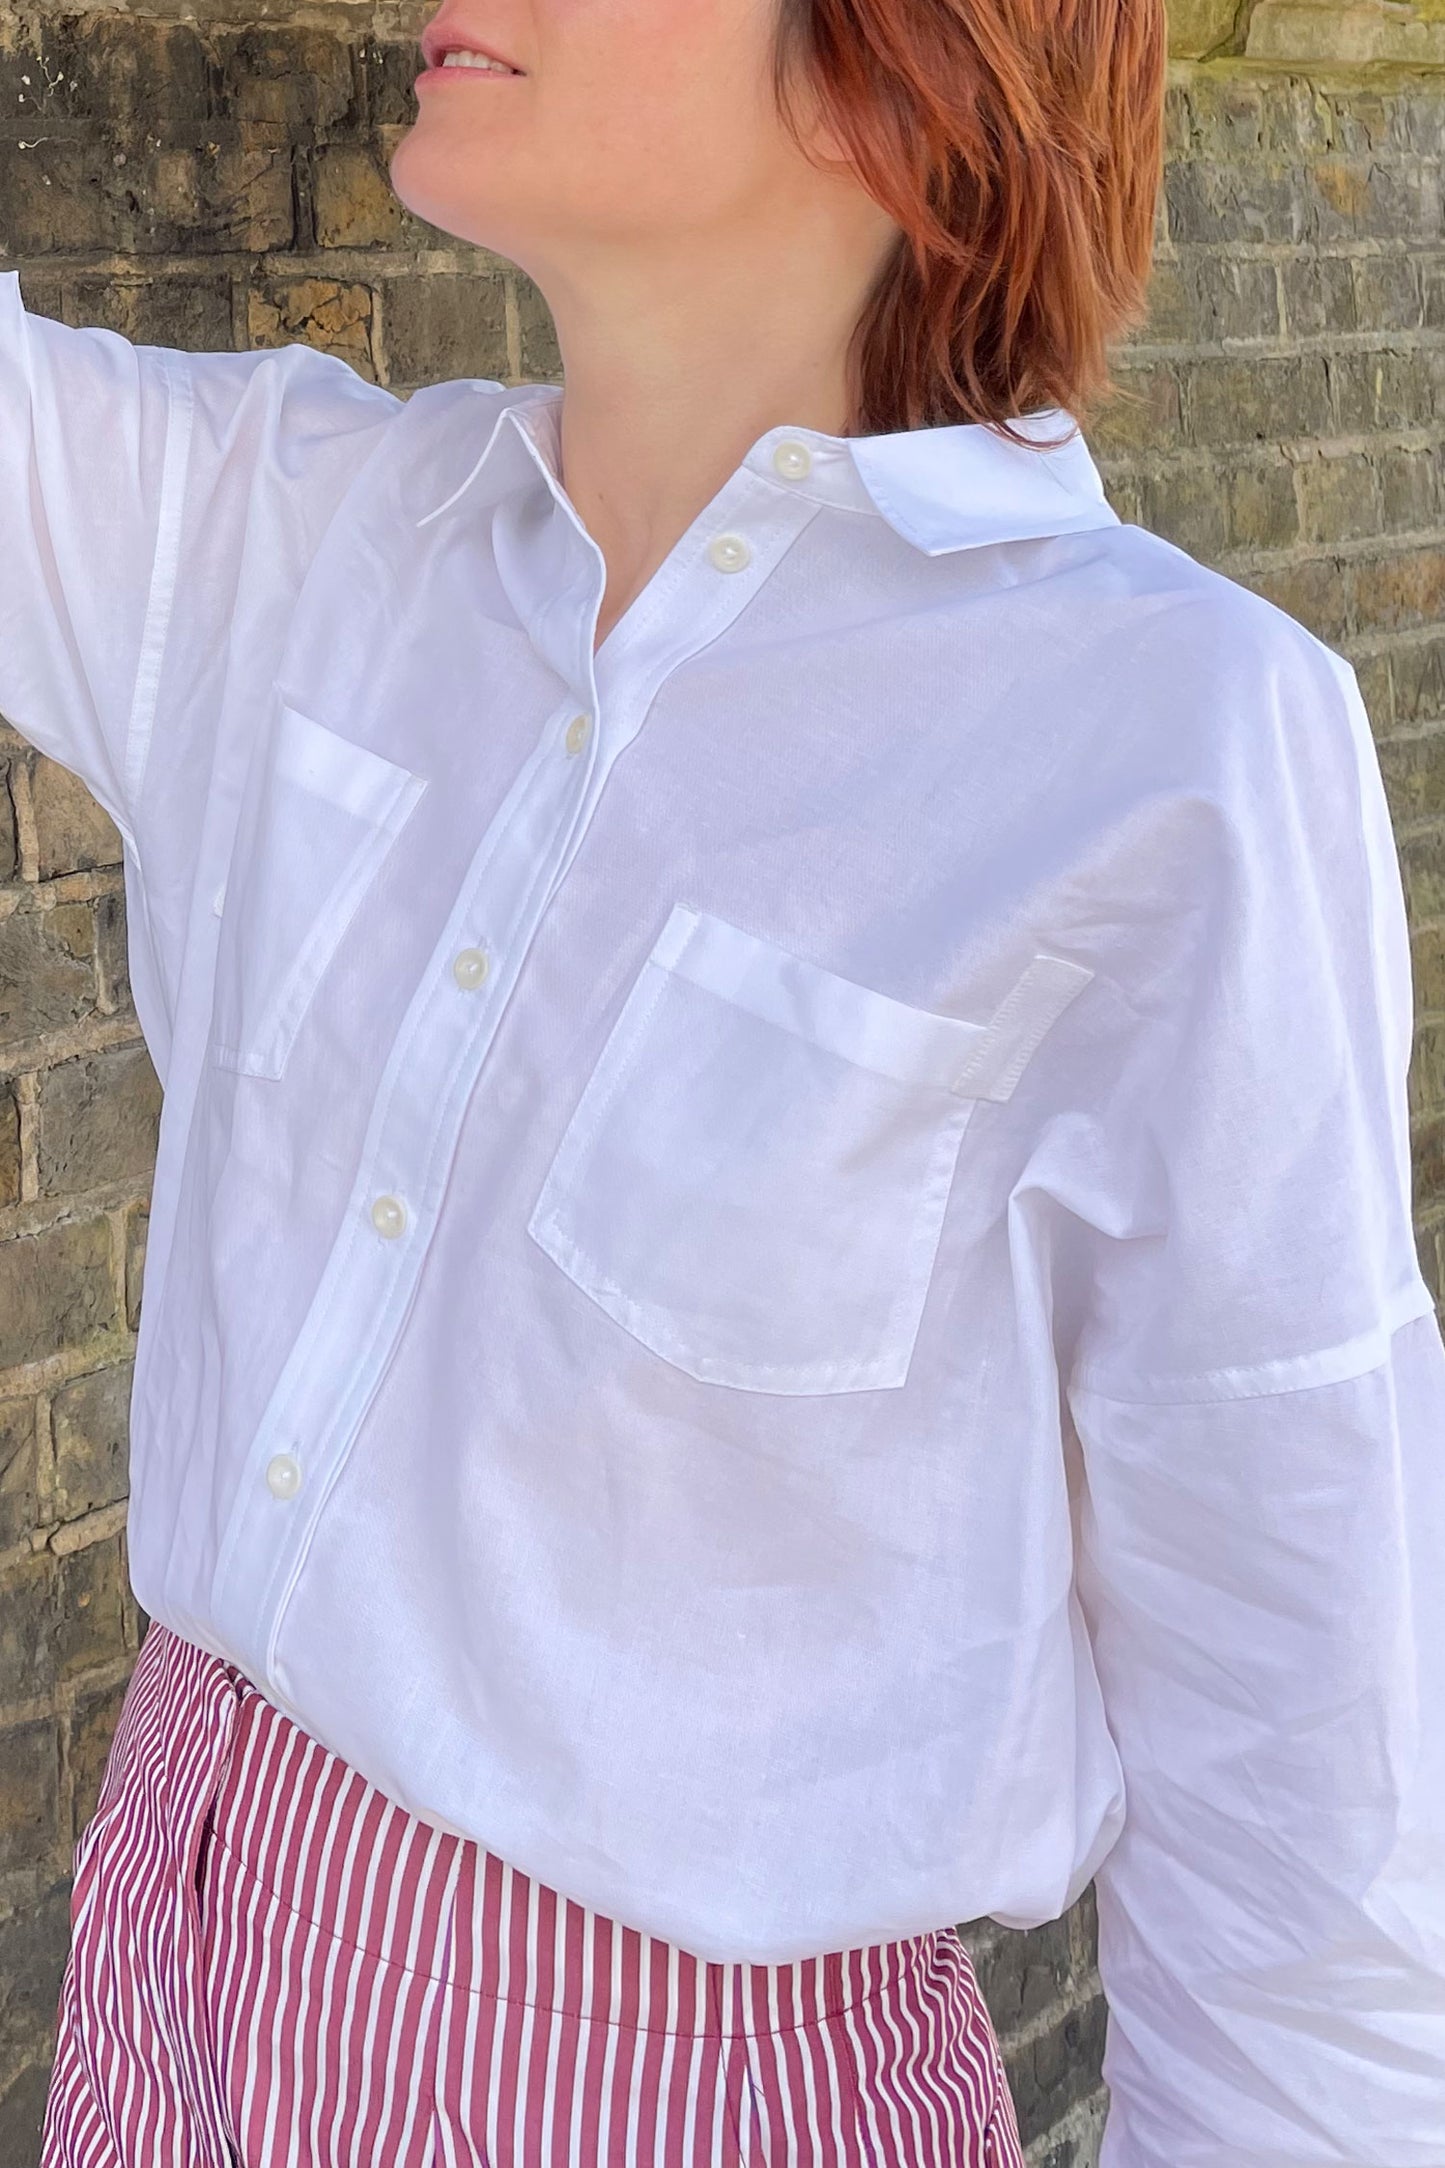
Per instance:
{"type": "Point", "coordinates": [222, 183]}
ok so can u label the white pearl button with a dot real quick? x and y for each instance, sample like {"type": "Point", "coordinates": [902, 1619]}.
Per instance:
{"type": "Point", "coordinates": [388, 1215]}
{"type": "Point", "coordinates": [792, 460]}
{"type": "Point", "coordinates": [283, 1476]}
{"type": "Point", "coordinates": [218, 899]}
{"type": "Point", "coordinates": [470, 966]}
{"type": "Point", "coordinates": [729, 552]}
{"type": "Point", "coordinates": [577, 732]}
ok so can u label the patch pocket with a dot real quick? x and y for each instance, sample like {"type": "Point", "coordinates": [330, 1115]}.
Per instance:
{"type": "Point", "coordinates": [753, 1182]}
{"type": "Point", "coordinates": [318, 816]}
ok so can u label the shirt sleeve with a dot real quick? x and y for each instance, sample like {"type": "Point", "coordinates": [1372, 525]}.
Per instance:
{"type": "Point", "coordinates": [90, 460]}
{"type": "Point", "coordinates": [159, 513]}
{"type": "Point", "coordinates": [1256, 1423]}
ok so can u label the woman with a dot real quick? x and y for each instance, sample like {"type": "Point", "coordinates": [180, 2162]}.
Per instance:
{"type": "Point", "coordinates": [781, 1306]}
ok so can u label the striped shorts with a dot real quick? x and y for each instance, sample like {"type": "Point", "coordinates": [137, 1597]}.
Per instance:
{"type": "Point", "coordinates": [271, 1962]}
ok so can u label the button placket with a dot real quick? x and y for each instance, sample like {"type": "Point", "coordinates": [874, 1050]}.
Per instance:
{"type": "Point", "coordinates": [441, 1047]}
{"type": "Point", "coordinates": [428, 1077]}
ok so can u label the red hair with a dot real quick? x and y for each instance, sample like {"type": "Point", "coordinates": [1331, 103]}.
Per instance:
{"type": "Point", "coordinates": [1018, 144]}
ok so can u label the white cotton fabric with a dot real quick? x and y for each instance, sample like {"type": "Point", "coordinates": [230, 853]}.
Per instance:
{"type": "Point", "coordinates": [792, 1303]}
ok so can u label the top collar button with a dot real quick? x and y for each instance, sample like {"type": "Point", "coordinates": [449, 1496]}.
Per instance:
{"type": "Point", "coordinates": [792, 459]}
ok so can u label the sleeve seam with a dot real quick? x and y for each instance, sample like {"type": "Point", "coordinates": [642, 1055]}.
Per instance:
{"type": "Point", "coordinates": [1347, 1359]}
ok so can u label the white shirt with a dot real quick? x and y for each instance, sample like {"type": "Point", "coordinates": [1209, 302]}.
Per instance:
{"type": "Point", "coordinates": [780, 1280]}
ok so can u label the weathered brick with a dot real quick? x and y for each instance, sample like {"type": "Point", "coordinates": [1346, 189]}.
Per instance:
{"type": "Point", "coordinates": [192, 313]}
{"type": "Point", "coordinates": [1432, 284]}
{"type": "Point", "coordinates": [1143, 414]}
{"type": "Point", "coordinates": [1338, 498]}
{"type": "Point", "coordinates": [1189, 506]}
{"type": "Point", "coordinates": [1206, 295]}
{"type": "Point", "coordinates": [217, 195]}
{"type": "Point", "coordinates": [1418, 674]}
{"type": "Point", "coordinates": [1405, 589]}
{"type": "Point", "coordinates": [9, 846]}
{"type": "Point", "coordinates": [1263, 513]}
{"type": "Point", "coordinates": [1197, 27]}
{"type": "Point", "coordinates": [56, 1290]}
{"type": "Point", "coordinates": [90, 1427]}
{"type": "Point", "coordinates": [326, 314]}
{"type": "Point", "coordinates": [89, 1608]}
{"type": "Point", "coordinates": [1372, 672]}
{"type": "Point", "coordinates": [136, 1228]}
{"type": "Point", "coordinates": [1371, 199]}
{"type": "Point", "coordinates": [1209, 202]}
{"type": "Point", "coordinates": [294, 78]}
{"type": "Point", "coordinates": [47, 970]}
{"type": "Point", "coordinates": [1415, 110]}
{"type": "Point", "coordinates": [1074, 2142]}
{"type": "Point", "coordinates": [354, 201]}
{"type": "Point", "coordinates": [59, 1617]}
{"type": "Point", "coordinates": [112, 952]}
{"type": "Point", "coordinates": [1387, 289]}
{"type": "Point", "coordinates": [27, 1619]}
{"type": "Point", "coordinates": [390, 67]}
{"type": "Point", "coordinates": [33, 1945]}
{"type": "Point", "coordinates": [442, 326]}
{"type": "Point", "coordinates": [89, 1732]}
{"type": "Point", "coordinates": [1228, 116]}
{"type": "Point", "coordinates": [1319, 295]}
{"type": "Point", "coordinates": [1422, 868]}
{"type": "Point", "coordinates": [22, 2112]}
{"type": "Point", "coordinates": [98, 1118]}
{"type": "Point", "coordinates": [19, 1472]}
{"type": "Point", "coordinates": [1427, 959]}
{"type": "Point", "coordinates": [1296, 123]}
{"type": "Point", "coordinates": [1385, 388]}
{"type": "Point", "coordinates": [29, 1793]}
{"type": "Point", "coordinates": [1056, 2068]}
{"type": "Point", "coordinates": [1410, 489]}
{"type": "Point", "coordinates": [1314, 590]}
{"type": "Point", "coordinates": [1269, 397]}
{"type": "Point", "coordinates": [9, 1142]}
{"type": "Point", "coordinates": [1021, 1976]}
{"type": "Point", "coordinates": [1414, 774]}
{"type": "Point", "coordinates": [541, 356]}
{"type": "Point", "coordinates": [1427, 1153]}
{"type": "Point", "coordinates": [204, 197]}
{"type": "Point", "coordinates": [92, 66]}
{"type": "Point", "coordinates": [1426, 1081]}
{"type": "Point", "coordinates": [73, 833]}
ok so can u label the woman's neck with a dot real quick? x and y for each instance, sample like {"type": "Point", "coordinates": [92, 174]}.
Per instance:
{"type": "Point", "coordinates": [672, 373]}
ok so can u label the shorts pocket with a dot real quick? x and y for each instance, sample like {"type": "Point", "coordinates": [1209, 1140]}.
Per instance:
{"type": "Point", "coordinates": [753, 1182]}
{"type": "Point", "coordinates": [318, 816]}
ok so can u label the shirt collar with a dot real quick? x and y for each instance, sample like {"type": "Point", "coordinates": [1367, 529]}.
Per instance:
{"type": "Point", "coordinates": [947, 488]}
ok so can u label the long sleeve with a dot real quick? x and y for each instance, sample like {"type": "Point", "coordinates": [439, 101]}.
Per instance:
{"type": "Point", "coordinates": [93, 435]}
{"type": "Point", "coordinates": [1256, 1425]}
{"type": "Point", "coordinates": [159, 512]}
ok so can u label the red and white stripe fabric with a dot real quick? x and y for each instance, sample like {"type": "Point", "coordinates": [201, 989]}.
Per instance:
{"type": "Point", "coordinates": [272, 1963]}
